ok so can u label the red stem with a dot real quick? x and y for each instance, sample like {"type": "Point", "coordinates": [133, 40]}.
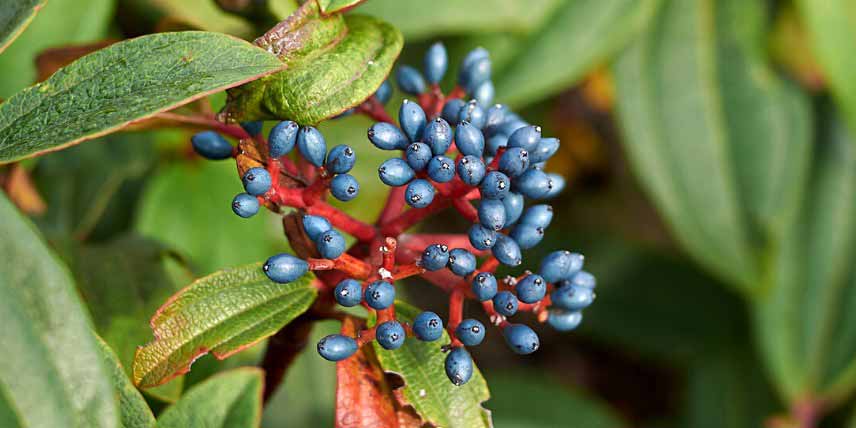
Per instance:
{"type": "Point", "coordinates": [205, 122]}
{"type": "Point", "coordinates": [394, 205]}
{"type": "Point", "coordinates": [456, 313]}
{"type": "Point", "coordinates": [346, 263]}
{"type": "Point", "coordinates": [466, 209]}
{"type": "Point", "coordinates": [373, 108]}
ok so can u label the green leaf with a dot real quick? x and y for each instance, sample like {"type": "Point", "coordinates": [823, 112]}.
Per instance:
{"type": "Point", "coordinates": [125, 82]}
{"type": "Point", "coordinates": [321, 80]}
{"type": "Point", "coordinates": [579, 36]}
{"type": "Point", "coordinates": [51, 371]}
{"type": "Point", "coordinates": [422, 20]}
{"type": "Point", "coordinates": [426, 387]}
{"type": "Point", "coordinates": [719, 142]}
{"type": "Point", "coordinates": [133, 410]}
{"type": "Point", "coordinates": [830, 24]}
{"type": "Point", "coordinates": [805, 324]}
{"type": "Point", "coordinates": [185, 204]}
{"type": "Point", "coordinates": [229, 399]}
{"type": "Point", "coordinates": [333, 6]}
{"type": "Point", "coordinates": [15, 17]}
{"type": "Point", "coordinates": [222, 313]}
{"type": "Point", "coordinates": [58, 23]}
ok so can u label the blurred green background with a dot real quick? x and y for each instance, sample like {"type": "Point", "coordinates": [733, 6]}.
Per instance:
{"type": "Point", "coordinates": [710, 153]}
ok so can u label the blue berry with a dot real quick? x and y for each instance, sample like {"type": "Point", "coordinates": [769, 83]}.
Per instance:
{"type": "Point", "coordinates": [441, 169]}
{"type": "Point", "coordinates": [451, 109]}
{"type": "Point", "coordinates": [330, 244]}
{"type": "Point", "coordinates": [470, 332]}
{"type": "Point", "coordinates": [511, 125]}
{"type": "Point", "coordinates": [461, 262]}
{"type": "Point", "coordinates": [256, 181]}
{"type": "Point", "coordinates": [545, 149]}
{"type": "Point", "coordinates": [538, 215]}
{"type": "Point", "coordinates": [513, 207]}
{"type": "Point", "coordinates": [387, 136]}
{"type": "Point", "coordinates": [435, 257]}
{"type": "Point", "coordinates": [395, 172]}
{"type": "Point", "coordinates": [435, 63]}
{"type": "Point", "coordinates": [282, 138]}
{"type": "Point", "coordinates": [481, 238]}
{"type": "Point", "coordinates": [484, 93]}
{"type": "Point", "coordinates": [557, 184]}
{"type": "Point", "coordinates": [563, 320]}
{"type": "Point", "coordinates": [471, 169]}
{"type": "Point", "coordinates": [349, 292]}
{"type": "Point", "coordinates": [336, 347]}
{"type": "Point", "coordinates": [521, 339]}
{"type": "Point", "coordinates": [473, 56]}
{"type": "Point", "coordinates": [572, 297]}
{"type": "Point", "coordinates": [380, 295]}
{"type": "Point", "coordinates": [419, 193]}
{"type": "Point", "coordinates": [283, 268]}
{"type": "Point", "coordinates": [384, 92]}
{"type": "Point", "coordinates": [469, 140]}
{"type": "Point", "coordinates": [410, 80]}
{"type": "Point", "coordinates": [344, 187]}
{"type": "Point", "coordinates": [428, 326]}
{"type": "Point", "coordinates": [315, 225]}
{"type": "Point", "coordinates": [438, 136]}
{"type": "Point", "coordinates": [495, 185]}
{"type": "Point", "coordinates": [494, 116]}
{"type": "Point", "coordinates": [390, 335]}
{"type": "Point", "coordinates": [507, 251]}
{"type": "Point", "coordinates": [583, 279]}
{"type": "Point", "coordinates": [533, 184]}
{"type": "Point", "coordinates": [418, 155]}
{"type": "Point", "coordinates": [505, 303]}
{"type": "Point", "coordinates": [211, 145]}
{"type": "Point", "coordinates": [531, 288]}
{"type": "Point", "coordinates": [253, 128]}
{"type": "Point", "coordinates": [312, 145]}
{"type": "Point", "coordinates": [412, 119]}
{"type": "Point", "coordinates": [526, 137]}
{"type": "Point", "coordinates": [473, 113]}
{"type": "Point", "coordinates": [245, 205]}
{"type": "Point", "coordinates": [459, 366]}
{"type": "Point", "coordinates": [560, 265]}
{"type": "Point", "coordinates": [341, 159]}
{"type": "Point", "coordinates": [484, 286]}
{"type": "Point", "coordinates": [492, 214]}
{"type": "Point", "coordinates": [514, 161]}
{"type": "Point", "coordinates": [475, 69]}
{"type": "Point", "coordinates": [494, 143]}
{"type": "Point", "coordinates": [526, 235]}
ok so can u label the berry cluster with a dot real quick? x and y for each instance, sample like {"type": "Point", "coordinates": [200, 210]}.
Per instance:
{"type": "Point", "coordinates": [452, 153]}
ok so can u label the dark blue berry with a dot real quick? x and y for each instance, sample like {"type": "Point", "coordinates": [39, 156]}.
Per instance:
{"type": "Point", "coordinates": [583, 279]}
{"type": "Point", "coordinates": [494, 116]}
{"type": "Point", "coordinates": [253, 128]}
{"type": "Point", "coordinates": [380, 295]}
{"type": "Point", "coordinates": [349, 292]}
{"type": "Point", "coordinates": [533, 184]}
{"type": "Point", "coordinates": [315, 225]}
{"type": "Point", "coordinates": [384, 92]}
{"type": "Point", "coordinates": [526, 235]}
{"type": "Point", "coordinates": [495, 185]}
{"type": "Point", "coordinates": [557, 184]}
{"type": "Point", "coordinates": [492, 214]}
{"type": "Point", "coordinates": [563, 320]}
{"type": "Point", "coordinates": [390, 335]}
{"type": "Point", "coordinates": [475, 69]}
{"type": "Point", "coordinates": [435, 63]}
{"type": "Point", "coordinates": [514, 161]}
{"type": "Point", "coordinates": [428, 326]}
{"type": "Point", "coordinates": [211, 145]}
{"type": "Point", "coordinates": [484, 93]}
{"type": "Point", "coordinates": [336, 347]}
{"type": "Point", "coordinates": [435, 257]}
{"type": "Point", "coordinates": [245, 205]}
{"type": "Point", "coordinates": [418, 155]}
{"type": "Point", "coordinates": [459, 366]}
{"type": "Point", "coordinates": [538, 215]}
{"type": "Point", "coordinates": [441, 169]}
{"type": "Point", "coordinates": [511, 125]}
{"type": "Point", "coordinates": [484, 286]}
{"type": "Point", "coordinates": [470, 332]}
{"type": "Point", "coordinates": [395, 172]}
{"type": "Point", "coordinates": [531, 288]}
{"type": "Point", "coordinates": [412, 119]}
{"type": "Point", "coordinates": [521, 339]}
{"type": "Point", "coordinates": [387, 136]}
{"type": "Point", "coordinates": [451, 109]}
{"type": "Point", "coordinates": [438, 136]}
{"type": "Point", "coordinates": [513, 207]}
{"type": "Point", "coordinates": [471, 169]}
{"type": "Point", "coordinates": [256, 181]}
{"type": "Point", "coordinates": [282, 138]}
{"type": "Point", "coordinates": [505, 303]}
{"type": "Point", "coordinates": [572, 297]}
{"type": "Point", "coordinates": [545, 149]}
{"type": "Point", "coordinates": [560, 265]}
{"type": "Point", "coordinates": [507, 251]}
{"type": "Point", "coordinates": [473, 113]}
{"type": "Point", "coordinates": [341, 159]}
{"type": "Point", "coordinates": [283, 268]}
{"type": "Point", "coordinates": [312, 145]}
{"type": "Point", "coordinates": [419, 193]}
{"type": "Point", "coordinates": [344, 187]}
{"type": "Point", "coordinates": [330, 244]}
{"type": "Point", "coordinates": [410, 80]}
{"type": "Point", "coordinates": [461, 262]}
{"type": "Point", "coordinates": [474, 55]}
{"type": "Point", "coordinates": [469, 140]}
{"type": "Point", "coordinates": [494, 143]}
{"type": "Point", "coordinates": [527, 138]}
{"type": "Point", "coordinates": [481, 238]}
